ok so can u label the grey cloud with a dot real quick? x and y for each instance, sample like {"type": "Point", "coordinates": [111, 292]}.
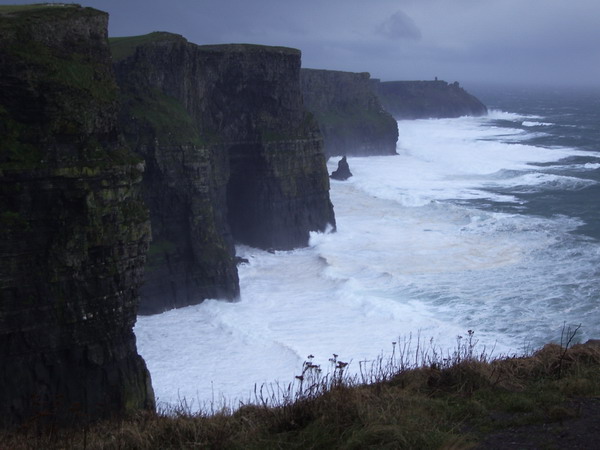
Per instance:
{"type": "Point", "coordinates": [537, 41]}
{"type": "Point", "coordinates": [400, 26]}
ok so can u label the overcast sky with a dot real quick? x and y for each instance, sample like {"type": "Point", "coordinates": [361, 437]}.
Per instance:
{"type": "Point", "coordinates": [551, 42]}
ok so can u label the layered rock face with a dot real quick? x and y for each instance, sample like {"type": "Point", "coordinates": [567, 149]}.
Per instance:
{"type": "Point", "coordinates": [231, 155]}
{"type": "Point", "coordinates": [349, 114]}
{"type": "Point", "coordinates": [191, 256]}
{"type": "Point", "coordinates": [73, 229]}
{"type": "Point", "coordinates": [427, 99]}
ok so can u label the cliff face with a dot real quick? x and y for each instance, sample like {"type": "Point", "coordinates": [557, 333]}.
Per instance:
{"type": "Point", "coordinates": [231, 155]}
{"type": "Point", "coordinates": [427, 99]}
{"type": "Point", "coordinates": [191, 256]}
{"type": "Point", "coordinates": [350, 116]}
{"type": "Point", "coordinates": [73, 229]}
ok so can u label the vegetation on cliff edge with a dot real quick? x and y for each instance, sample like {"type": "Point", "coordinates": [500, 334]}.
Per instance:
{"type": "Point", "coordinates": [123, 47]}
{"type": "Point", "coordinates": [446, 401]}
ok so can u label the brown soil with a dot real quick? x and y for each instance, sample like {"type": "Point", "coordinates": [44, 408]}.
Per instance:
{"type": "Point", "coordinates": [578, 429]}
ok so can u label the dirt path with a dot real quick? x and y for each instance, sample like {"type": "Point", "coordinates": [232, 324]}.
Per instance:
{"type": "Point", "coordinates": [582, 431]}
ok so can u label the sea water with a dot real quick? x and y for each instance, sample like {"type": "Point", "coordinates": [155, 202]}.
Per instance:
{"type": "Point", "coordinates": [488, 224]}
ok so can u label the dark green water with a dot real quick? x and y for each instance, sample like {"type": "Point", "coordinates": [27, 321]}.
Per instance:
{"type": "Point", "coordinates": [567, 118]}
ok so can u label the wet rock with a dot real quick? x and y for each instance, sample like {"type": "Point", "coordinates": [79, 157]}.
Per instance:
{"type": "Point", "coordinates": [343, 170]}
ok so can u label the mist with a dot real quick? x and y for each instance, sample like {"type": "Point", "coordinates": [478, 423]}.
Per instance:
{"type": "Point", "coordinates": [538, 42]}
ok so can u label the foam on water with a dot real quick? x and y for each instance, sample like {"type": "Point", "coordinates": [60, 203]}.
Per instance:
{"type": "Point", "coordinates": [529, 123]}
{"type": "Point", "coordinates": [538, 181]}
{"type": "Point", "coordinates": [412, 254]}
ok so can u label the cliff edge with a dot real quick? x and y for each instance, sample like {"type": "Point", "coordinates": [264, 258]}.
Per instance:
{"type": "Point", "coordinates": [350, 115]}
{"type": "Point", "coordinates": [73, 229]}
{"type": "Point", "coordinates": [427, 99]}
{"type": "Point", "coordinates": [231, 155]}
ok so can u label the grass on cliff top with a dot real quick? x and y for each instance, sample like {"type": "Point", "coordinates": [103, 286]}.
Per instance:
{"type": "Point", "coordinates": [24, 14]}
{"type": "Point", "coordinates": [167, 117]}
{"type": "Point", "coordinates": [123, 47]}
{"type": "Point", "coordinates": [248, 48]}
{"type": "Point", "coordinates": [416, 399]}
{"type": "Point", "coordinates": [7, 9]}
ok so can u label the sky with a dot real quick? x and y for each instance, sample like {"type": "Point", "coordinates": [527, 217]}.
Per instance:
{"type": "Point", "coordinates": [531, 42]}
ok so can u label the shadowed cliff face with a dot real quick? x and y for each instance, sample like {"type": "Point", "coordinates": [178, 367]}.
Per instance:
{"type": "Point", "coordinates": [73, 229]}
{"type": "Point", "coordinates": [235, 158]}
{"type": "Point", "coordinates": [427, 99]}
{"type": "Point", "coordinates": [192, 255]}
{"type": "Point", "coordinates": [278, 189]}
{"type": "Point", "coordinates": [349, 114]}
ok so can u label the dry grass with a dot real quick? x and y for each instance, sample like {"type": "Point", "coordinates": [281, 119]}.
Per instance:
{"type": "Point", "coordinates": [445, 401]}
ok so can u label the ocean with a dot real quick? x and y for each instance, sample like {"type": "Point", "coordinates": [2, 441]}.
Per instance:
{"type": "Point", "coordinates": [489, 224]}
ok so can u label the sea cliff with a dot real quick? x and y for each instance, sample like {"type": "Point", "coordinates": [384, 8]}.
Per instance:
{"type": "Point", "coordinates": [427, 99]}
{"type": "Point", "coordinates": [350, 115]}
{"type": "Point", "coordinates": [232, 156]}
{"type": "Point", "coordinates": [74, 231]}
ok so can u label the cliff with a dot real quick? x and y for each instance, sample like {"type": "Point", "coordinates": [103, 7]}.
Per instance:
{"type": "Point", "coordinates": [427, 99]}
{"type": "Point", "coordinates": [349, 114]}
{"type": "Point", "coordinates": [231, 155]}
{"type": "Point", "coordinates": [191, 256]}
{"type": "Point", "coordinates": [73, 229]}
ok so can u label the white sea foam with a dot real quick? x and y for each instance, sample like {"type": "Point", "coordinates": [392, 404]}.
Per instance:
{"type": "Point", "coordinates": [529, 123]}
{"type": "Point", "coordinates": [411, 255]}
{"type": "Point", "coordinates": [539, 181]}
{"type": "Point", "coordinates": [496, 114]}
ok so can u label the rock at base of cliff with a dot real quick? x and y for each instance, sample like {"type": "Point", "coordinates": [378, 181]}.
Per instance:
{"type": "Point", "coordinates": [343, 170]}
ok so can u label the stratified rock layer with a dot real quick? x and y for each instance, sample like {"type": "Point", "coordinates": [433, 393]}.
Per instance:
{"type": "Point", "coordinates": [73, 229]}
{"type": "Point", "coordinates": [427, 99]}
{"type": "Point", "coordinates": [192, 255]}
{"type": "Point", "coordinates": [231, 154]}
{"type": "Point", "coordinates": [350, 116]}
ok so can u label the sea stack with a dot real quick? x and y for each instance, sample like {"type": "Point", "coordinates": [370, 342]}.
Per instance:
{"type": "Point", "coordinates": [342, 172]}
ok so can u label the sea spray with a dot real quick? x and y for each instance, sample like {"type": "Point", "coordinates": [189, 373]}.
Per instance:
{"type": "Point", "coordinates": [450, 235]}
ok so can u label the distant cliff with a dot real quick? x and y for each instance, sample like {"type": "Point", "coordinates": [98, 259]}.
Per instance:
{"type": "Point", "coordinates": [350, 115]}
{"type": "Point", "coordinates": [427, 99]}
{"type": "Point", "coordinates": [73, 229]}
{"type": "Point", "coordinates": [231, 155]}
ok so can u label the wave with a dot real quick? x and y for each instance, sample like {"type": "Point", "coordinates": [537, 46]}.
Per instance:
{"type": "Point", "coordinates": [528, 123]}
{"type": "Point", "coordinates": [496, 114]}
{"type": "Point", "coordinates": [540, 181]}
{"type": "Point", "coordinates": [419, 249]}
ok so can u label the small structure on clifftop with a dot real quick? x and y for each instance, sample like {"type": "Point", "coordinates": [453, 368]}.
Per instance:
{"type": "Point", "coordinates": [343, 170]}
{"type": "Point", "coordinates": [427, 99]}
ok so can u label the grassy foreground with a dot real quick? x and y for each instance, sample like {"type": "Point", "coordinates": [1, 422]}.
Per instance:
{"type": "Point", "coordinates": [445, 401]}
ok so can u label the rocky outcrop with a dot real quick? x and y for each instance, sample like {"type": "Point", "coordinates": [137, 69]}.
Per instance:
{"type": "Point", "coordinates": [349, 114]}
{"type": "Point", "coordinates": [231, 155]}
{"type": "Point", "coordinates": [427, 99]}
{"type": "Point", "coordinates": [73, 229]}
{"type": "Point", "coordinates": [342, 172]}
